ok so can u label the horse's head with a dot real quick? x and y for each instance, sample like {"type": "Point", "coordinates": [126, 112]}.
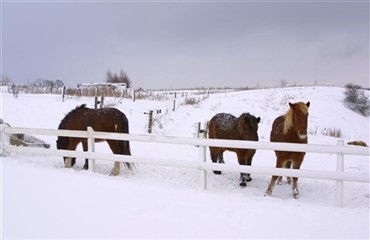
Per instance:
{"type": "Point", "coordinates": [248, 126]}
{"type": "Point", "coordinates": [62, 143]}
{"type": "Point", "coordinates": [299, 118]}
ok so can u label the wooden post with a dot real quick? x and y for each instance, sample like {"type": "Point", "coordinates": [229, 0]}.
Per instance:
{"type": "Point", "coordinates": [91, 148]}
{"type": "Point", "coordinates": [340, 169]}
{"type": "Point", "coordinates": [96, 97]}
{"type": "Point", "coordinates": [95, 102]}
{"type": "Point", "coordinates": [63, 93]}
{"type": "Point", "coordinates": [102, 102]}
{"type": "Point", "coordinates": [150, 121]}
{"type": "Point", "coordinates": [174, 104]}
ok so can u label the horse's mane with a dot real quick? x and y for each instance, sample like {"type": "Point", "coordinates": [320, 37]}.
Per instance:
{"type": "Point", "coordinates": [240, 122]}
{"type": "Point", "coordinates": [288, 119]}
{"type": "Point", "coordinates": [62, 123]}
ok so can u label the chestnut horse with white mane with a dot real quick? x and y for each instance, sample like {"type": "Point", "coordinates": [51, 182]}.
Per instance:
{"type": "Point", "coordinates": [291, 128]}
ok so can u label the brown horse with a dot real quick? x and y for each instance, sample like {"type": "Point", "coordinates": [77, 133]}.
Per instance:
{"type": "Point", "coordinates": [292, 128]}
{"type": "Point", "coordinates": [227, 126]}
{"type": "Point", "coordinates": [103, 120]}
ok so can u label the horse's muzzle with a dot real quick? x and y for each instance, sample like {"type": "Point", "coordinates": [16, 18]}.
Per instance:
{"type": "Point", "coordinates": [302, 136]}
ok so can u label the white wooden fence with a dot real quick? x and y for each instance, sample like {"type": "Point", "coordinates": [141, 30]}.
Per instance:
{"type": "Point", "coordinates": [339, 175]}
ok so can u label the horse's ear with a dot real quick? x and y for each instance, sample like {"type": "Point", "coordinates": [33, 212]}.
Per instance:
{"type": "Point", "coordinates": [308, 104]}
{"type": "Point", "coordinates": [258, 119]}
{"type": "Point", "coordinates": [291, 105]}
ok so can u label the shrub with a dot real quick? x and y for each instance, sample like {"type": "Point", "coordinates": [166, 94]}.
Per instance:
{"type": "Point", "coordinates": [356, 99]}
{"type": "Point", "coordinates": [358, 143]}
{"type": "Point", "coordinates": [191, 101]}
{"type": "Point", "coordinates": [332, 132]}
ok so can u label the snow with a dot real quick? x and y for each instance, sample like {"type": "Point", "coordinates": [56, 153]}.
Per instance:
{"type": "Point", "coordinates": [42, 199]}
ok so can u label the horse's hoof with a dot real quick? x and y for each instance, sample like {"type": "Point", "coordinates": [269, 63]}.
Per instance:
{"type": "Point", "coordinates": [243, 184]}
{"type": "Point", "coordinates": [267, 194]}
{"type": "Point", "coordinates": [217, 172]}
{"type": "Point", "coordinates": [289, 180]}
{"type": "Point", "coordinates": [295, 193]}
{"type": "Point", "coordinates": [114, 173]}
{"type": "Point", "coordinates": [85, 168]}
{"type": "Point", "coordinates": [280, 181]}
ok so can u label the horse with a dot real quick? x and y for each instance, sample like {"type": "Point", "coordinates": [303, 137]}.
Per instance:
{"type": "Point", "coordinates": [104, 120]}
{"type": "Point", "coordinates": [291, 128]}
{"type": "Point", "coordinates": [227, 126]}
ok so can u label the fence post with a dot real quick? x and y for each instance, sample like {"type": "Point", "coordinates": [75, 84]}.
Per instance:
{"type": "Point", "coordinates": [340, 169]}
{"type": "Point", "coordinates": [174, 103]}
{"type": "Point", "coordinates": [150, 121]}
{"type": "Point", "coordinates": [63, 93]}
{"type": "Point", "coordinates": [91, 147]}
{"type": "Point", "coordinates": [101, 101]}
{"type": "Point", "coordinates": [4, 138]}
{"type": "Point", "coordinates": [202, 157]}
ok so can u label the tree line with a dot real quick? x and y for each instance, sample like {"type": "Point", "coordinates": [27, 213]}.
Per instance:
{"type": "Point", "coordinates": [45, 85]}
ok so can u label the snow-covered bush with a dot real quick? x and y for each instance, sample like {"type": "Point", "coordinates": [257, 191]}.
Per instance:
{"type": "Point", "coordinates": [356, 99]}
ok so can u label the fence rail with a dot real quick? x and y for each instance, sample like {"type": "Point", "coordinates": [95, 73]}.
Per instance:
{"type": "Point", "coordinates": [201, 165]}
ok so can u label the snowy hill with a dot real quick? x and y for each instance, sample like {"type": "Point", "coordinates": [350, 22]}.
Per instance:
{"type": "Point", "coordinates": [40, 198]}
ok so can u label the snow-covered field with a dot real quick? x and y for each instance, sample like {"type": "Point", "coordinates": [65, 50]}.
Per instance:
{"type": "Point", "coordinates": [42, 199]}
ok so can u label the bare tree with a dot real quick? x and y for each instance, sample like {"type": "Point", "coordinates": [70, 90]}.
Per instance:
{"type": "Point", "coordinates": [5, 80]}
{"type": "Point", "coordinates": [283, 83]}
{"type": "Point", "coordinates": [122, 77]}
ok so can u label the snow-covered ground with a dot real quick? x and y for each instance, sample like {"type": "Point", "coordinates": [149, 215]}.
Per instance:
{"type": "Point", "coordinates": [42, 199]}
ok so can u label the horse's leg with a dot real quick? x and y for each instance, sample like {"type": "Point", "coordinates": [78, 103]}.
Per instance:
{"type": "Point", "coordinates": [242, 161]}
{"type": "Point", "coordinates": [116, 169]}
{"type": "Point", "coordinates": [85, 148]}
{"type": "Point", "coordinates": [249, 163]}
{"type": "Point", "coordinates": [288, 165]}
{"type": "Point", "coordinates": [280, 162]}
{"type": "Point", "coordinates": [289, 179]}
{"type": "Point", "coordinates": [69, 161]}
{"type": "Point", "coordinates": [114, 146]}
{"type": "Point", "coordinates": [216, 156]}
{"type": "Point", "coordinates": [280, 180]}
{"type": "Point", "coordinates": [296, 165]}
{"type": "Point", "coordinates": [220, 158]}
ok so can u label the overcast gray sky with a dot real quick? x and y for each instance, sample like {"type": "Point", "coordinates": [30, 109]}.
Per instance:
{"type": "Point", "coordinates": [188, 44]}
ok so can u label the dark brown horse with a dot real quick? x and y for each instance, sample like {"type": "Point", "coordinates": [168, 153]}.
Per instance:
{"type": "Point", "coordinates": [227, 126]}
{"type": "Point", "coordinates": [292, 128]}
{"type": "Point", "coordinates": [103, 120]}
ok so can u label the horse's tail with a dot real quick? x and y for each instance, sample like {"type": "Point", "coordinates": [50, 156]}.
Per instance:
{"type": "Point", "coordinates": [125, 145]}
